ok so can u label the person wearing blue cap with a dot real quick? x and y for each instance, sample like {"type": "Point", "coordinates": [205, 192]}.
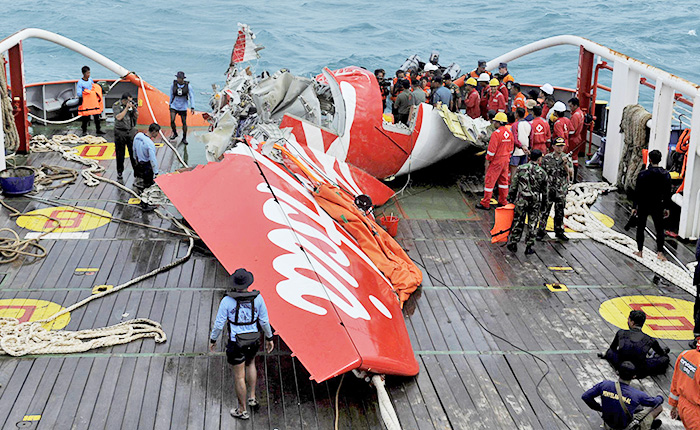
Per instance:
{"type": "Point", "coordinates": [181, 99]}
{"type": "Point", "coordinates": [245, 313]}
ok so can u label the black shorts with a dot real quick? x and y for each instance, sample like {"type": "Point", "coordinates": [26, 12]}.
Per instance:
{"type": "Point", "coordinates": [237, 355]}
{"type": "Point", "coordinates": [182, 113]}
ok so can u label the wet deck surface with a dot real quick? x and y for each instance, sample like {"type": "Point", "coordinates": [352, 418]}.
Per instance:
{"type": "Point", "coordinates": [468, 378]}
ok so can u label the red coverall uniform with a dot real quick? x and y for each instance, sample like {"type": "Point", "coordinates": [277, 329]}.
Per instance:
{"type": "Point", "coordinates": [540, 134]}
{"type": "Point", "coordinates": [562, 128]}
{"type": "Point", "coordinates": [498, 154]}
{"type": "Point", "coordinates": [484, 101]}
{"type": "Point", "coordinates": [473, 104]}
{"type": "Point", "coordinates": [504, 90]}
{"type": "Point", "coordinates": [496, 102]}
{"type": "Point", "coordinates": [545, 110]}
{"type": "Point", "coordinates": [576, 139]}
{"type": "Point", "coordinates": [685, 388]}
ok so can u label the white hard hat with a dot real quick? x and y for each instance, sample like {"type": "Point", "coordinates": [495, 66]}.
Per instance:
{"type": "Point", "coordinates": [559, 107]}
{"type": "Point", "coordinates": [430, 67]}
{"type": "Point", "coordinates": [484, 77]}
{"type": "Point", "coordinates": [547, 89]}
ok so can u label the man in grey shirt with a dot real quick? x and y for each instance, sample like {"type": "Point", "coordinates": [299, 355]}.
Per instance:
{"type": "Point", "coordinates": [403, 102]}
{"type": "Point", "coordinates": [440, 93]}
{"type": "Point", "coordinates": [125, 116]}
{"type": "Point", "coordinates": [418, 96]}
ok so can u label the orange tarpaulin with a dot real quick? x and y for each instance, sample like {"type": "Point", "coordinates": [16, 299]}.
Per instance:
{"type": "Point", "coordinates": [381, 248]}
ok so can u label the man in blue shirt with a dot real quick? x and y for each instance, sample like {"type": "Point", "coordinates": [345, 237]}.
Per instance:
{"type": "Point", "coordinates": [614, 415]}
{"type": "Point", "coordinates": [244, 312]}
{"type": "Point", "coordinates": [441, 94]}
{"type": "Point", "coordinates": [85, 83]}
{"type": "Point", "coordinates": [181, 98]}
{"type": "Point", "coordinates": [145, 156]}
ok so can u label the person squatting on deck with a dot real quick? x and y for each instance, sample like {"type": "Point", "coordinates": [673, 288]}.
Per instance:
{"type": "Point", "coordinates": [526, 189]}
{"type": "Point", "coordinates": [684, 397]}
{"type": "Point", "coordinates": [651, 195]}
{"type": "Point", "coordinates": [497, 159]}
{"type": "Point", "coordinates": [85, 84]}
{"type": "Point", "coordinates": [645, 352]}
{"type": "Point", "coordinates": [559, 171]}
{"type": "Point", "coordinates": [181, 98]}
{"type": "Point", "coordinates": [125, 115]}
{"type": "Point", "coordinates": [245, 312]}
{"type": "Point", "coordinates": [621, 404]}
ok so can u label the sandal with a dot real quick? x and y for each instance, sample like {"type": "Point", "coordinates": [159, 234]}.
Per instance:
{"type": "Point", "coordinates": [237, 413]}
{"type": "Point", "coordinates": [253, 402]}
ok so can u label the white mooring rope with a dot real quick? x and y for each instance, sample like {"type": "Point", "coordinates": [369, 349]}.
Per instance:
{"type": "Point", "coordinates": [578, 217]}
{"type": "Point", "coordinates": [18, 339]}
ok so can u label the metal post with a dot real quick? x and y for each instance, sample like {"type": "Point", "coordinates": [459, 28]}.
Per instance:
{"type": "Point", "coordinates": [19, 96]}
{"type": "Point", "coordinates": [661, 117]}
{"type": "Point", "coordinates": [3, 166]}
{"type": "Point", "coordinates": [688, 226]}
{"type": "Point", "coordinates": [624, 91]}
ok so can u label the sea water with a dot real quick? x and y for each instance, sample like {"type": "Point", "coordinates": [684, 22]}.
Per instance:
{"type": "Point", "coordinates": [156, 38]}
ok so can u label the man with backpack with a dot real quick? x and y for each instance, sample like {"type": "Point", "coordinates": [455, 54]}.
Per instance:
{"type": "Point", "coordinates": [246, 313]}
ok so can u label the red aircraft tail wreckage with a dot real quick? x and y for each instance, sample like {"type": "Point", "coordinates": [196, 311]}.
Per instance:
{"type": "Point", "coordinates": [293, 162]}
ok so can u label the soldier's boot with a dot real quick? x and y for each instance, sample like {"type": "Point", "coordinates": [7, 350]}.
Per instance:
{"type": "Point", "coordinates": [540, 235]}
{"type": "Point", "coordinates": [561, 236]}
{"type": "Point", "coordinates": [512, 247]}
{"type": "Point", "coordinates": [529, 250]}
{"type": "Point", "coordinates": [575, 174]}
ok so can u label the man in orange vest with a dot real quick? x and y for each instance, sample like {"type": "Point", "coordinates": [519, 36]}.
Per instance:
{"type": "Point", "coordinates": [518, 97]}
{"type": "Point", "coordinates": [472, 99]}
{"type": "Point", "coordinates": [497, 160]}
{"type": "Point", "coordinates": [540, 135]}
{"type": "Point", "coordinates": [83, 85]}
{"type": "Point", "coordinates": [480, 68]}
{"type": "Point", "coordinates": [576, 139]}
{"type": "Point", "coordinates": [496, 100]}
{"type": "Point", "coordinates": [504, 76]}
{"type": "Point", "coordinates": [685, 389]}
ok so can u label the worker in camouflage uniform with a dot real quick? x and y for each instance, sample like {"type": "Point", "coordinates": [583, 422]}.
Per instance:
{"type": "Point", "coordinates": [560, 171]}
{"type": "Point", "coordinates": [526, 191]}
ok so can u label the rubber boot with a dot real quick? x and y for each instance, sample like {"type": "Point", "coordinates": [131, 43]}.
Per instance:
{"type": "Point", "coordinates": [594, 162]}
{"type": "Point", "coordinates": [575, 174]}
{"type": "Point", "coordinates": [512, 247]}
{"type": "Point", "coordinates": [529, 250]}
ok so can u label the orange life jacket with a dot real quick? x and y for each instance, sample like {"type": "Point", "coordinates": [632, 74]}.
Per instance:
{"type": "Point", "coordinates": [93, 102]}
{"type": "Point", "coordinates": [682, 148]}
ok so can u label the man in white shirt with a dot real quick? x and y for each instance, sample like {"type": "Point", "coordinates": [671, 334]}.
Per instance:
{"type": "Point", "coordinates": [521, 130]}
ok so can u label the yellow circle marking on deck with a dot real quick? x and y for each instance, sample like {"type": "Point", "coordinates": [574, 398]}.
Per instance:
{"type": "Point", "coordinates": [26, 310]}
{"type": "Point", "coordinates": [71, 219]}
{"type": "Point", "coordinates": [602, 217]}
{"type": "Point", "coordinates": [99, 151]}
{"type": "Point", "coordinates": [667, 318]}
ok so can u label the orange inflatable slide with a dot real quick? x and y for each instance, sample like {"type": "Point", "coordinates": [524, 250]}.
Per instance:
{"type": "Point", "coordinates": [379, 246]}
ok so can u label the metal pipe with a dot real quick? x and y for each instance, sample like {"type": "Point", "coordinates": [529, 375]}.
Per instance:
{"type": "Point", "coordinates": [673, 81]}
{"type": "Point", "coordinates": [37, 33]}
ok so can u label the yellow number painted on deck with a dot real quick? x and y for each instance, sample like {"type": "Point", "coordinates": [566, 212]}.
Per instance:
{"type": "Point", "coordinates": [26, 310]}
{"type": "Point", "coordinates": [71, 219]}
{"type": "Point", "coordinates": [99, 151]}
{"type": "Point", "coordinates": [667, 318]}
{"type": "Point", "coordinates": [602, 217]}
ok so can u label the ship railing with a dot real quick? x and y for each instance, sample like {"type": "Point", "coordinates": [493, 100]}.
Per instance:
{"type": "Point", "coordinates": [627, 74]}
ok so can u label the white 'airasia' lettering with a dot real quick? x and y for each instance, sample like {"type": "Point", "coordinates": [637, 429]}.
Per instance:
{"type": "Point", "coordinates": [332, 270]}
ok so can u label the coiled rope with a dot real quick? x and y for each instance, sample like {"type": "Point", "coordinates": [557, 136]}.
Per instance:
{"type": "Point", "coordinates": [18, 339]}
{"type": "Point", "coordinates": [578, 217]}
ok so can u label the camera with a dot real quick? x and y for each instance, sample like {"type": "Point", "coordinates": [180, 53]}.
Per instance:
{"type": "Point", "coordinates": [384, 83]}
